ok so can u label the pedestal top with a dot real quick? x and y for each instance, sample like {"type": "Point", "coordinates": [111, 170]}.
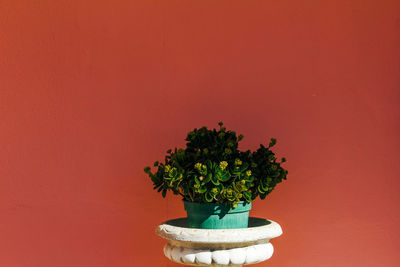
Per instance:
{"type": "Point", "coordinates": [259, 229]}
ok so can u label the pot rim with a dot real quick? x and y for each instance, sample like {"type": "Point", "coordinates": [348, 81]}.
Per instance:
{"type": "Point", "coordinates": [216, 208]}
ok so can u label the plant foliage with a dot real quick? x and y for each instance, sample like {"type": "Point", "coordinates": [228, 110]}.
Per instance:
{"type": "Point", "coordinates": [213, 169]}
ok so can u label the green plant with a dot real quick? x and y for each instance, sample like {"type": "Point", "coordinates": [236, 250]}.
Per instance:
{"type": "Point", "coordinates": [213, 169]}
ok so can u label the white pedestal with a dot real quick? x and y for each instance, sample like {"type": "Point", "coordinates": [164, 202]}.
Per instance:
{"type": "Point", "coordinates": [219, 247]}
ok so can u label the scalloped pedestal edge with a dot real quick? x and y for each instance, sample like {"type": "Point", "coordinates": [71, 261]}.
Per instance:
{"type": "Point", "coordinates": [219, 257]}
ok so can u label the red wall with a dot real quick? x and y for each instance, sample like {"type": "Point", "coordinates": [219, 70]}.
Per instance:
{"type": "Point", "coordinates": [92, 91]}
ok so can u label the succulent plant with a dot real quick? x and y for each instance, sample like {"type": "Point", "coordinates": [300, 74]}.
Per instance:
{"type": "Point", "coordinates": [212, 169]}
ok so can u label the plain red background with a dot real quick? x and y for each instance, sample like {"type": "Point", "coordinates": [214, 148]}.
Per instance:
{"type": "Point", "coordinates": [92, 91]}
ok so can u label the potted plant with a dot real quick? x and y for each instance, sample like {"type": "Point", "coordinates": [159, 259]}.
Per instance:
{"type": "Point", "coordinates": [216, 180]}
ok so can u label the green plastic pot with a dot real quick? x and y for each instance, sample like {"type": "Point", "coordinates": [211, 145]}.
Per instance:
{"type": "Point", "coordinates": [217, 216]}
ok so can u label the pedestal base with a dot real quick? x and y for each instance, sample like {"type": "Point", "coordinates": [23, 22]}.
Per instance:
{"type": "Point", "coordinates": [219, 247]}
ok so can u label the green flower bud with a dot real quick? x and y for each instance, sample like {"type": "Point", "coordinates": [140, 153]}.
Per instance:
{"type": "Point", "coordinates": [197, 166]}
{"type": "Point", "coordinates": [228, 151]}
{"type": "Point", "coordinates": [223, 165]}
{"type": "Point", "coordinates": [167, 168]}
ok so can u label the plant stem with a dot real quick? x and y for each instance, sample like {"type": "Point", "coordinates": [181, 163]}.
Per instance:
{"type": "Point", "coordinates": [190, 195]}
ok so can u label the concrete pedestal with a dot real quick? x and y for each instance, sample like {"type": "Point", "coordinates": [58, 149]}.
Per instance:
{"type": "Point", "coordinates": [219, 247]}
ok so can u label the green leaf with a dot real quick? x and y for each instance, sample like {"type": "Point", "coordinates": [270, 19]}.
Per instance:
{"type": "Point", "coordinates": [264, 186]}
{"type": "Point", "coordinates": [208, 197]}
{"type": "Point", "coordinates": [247, 196]}
{"type": "Point", "coordinates": [214, 191]}
{"type": "Point", "coordinates": [272, 143]}
{"type": "Point", "coordinates": [249, 179]}
{"type": "Point", "coordinates": [237, 187]}
{"type": "Point", "coordinates": [236, 173]}
{"type": "Point", "coordinates": [223, 176]}
{"type": "Point", "coordinates": [244, 167]}
{"type": "Point", "coordinates": [260, 189]}
{"type": "Point", "coordinates": [173, 173]}
{"type": "Point", "coordinates": [156, 180]}
{"type": "Point", "coordinates": [209, 164]}
{"type": "Point", "coordinates": [201, 190]}
{"type": "Point", "coordinates": [156, 186]}
{"type": "Point", "coordinates": [214, 180]}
